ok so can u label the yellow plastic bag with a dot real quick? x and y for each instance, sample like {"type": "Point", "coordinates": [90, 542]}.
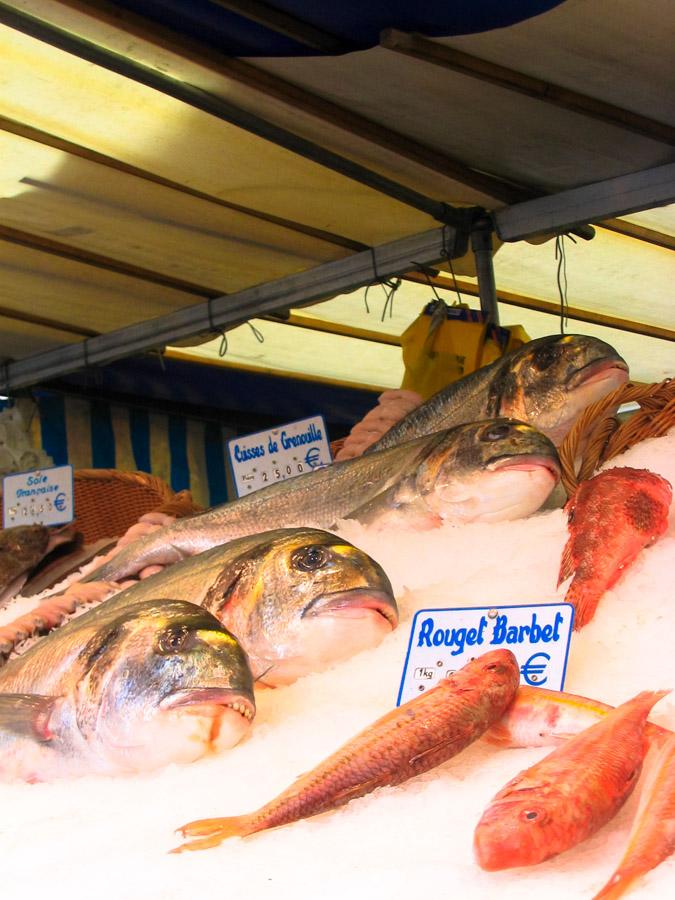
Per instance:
{"type": "Point", "coordinates": [438, 350]}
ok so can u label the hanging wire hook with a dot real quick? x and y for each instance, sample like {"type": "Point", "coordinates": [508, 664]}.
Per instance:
{"type": "Point", "coordinates": [561, 277]}
{"type": "Point", "coordinates": [259, 336]}
{"type": "Point", "coordinates": [391, 287]}
{"type": "Point", "coordinates": [222, 349]}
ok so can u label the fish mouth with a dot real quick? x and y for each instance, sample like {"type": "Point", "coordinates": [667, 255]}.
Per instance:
{"type": "Point", "coordinates": [209, 701]}
{"type": "Point", "coordinates": [598, 370]}
{"type": "Point", "coordinates": [525, 463]}
{"type": "Point", "coordinates": [355, 599]}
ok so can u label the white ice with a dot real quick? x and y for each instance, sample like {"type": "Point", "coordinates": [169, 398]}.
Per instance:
{"type": "Point", "coordinates": [108, 838]}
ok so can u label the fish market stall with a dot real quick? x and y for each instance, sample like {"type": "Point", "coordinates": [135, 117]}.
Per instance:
{"type": "Point", "coordinates": [112, 835]}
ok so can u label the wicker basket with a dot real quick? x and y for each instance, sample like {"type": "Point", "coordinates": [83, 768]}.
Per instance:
{"type": "Point", "coordinates": [108, 501]}
{"type": "Point", "coordinates": [601, 436]}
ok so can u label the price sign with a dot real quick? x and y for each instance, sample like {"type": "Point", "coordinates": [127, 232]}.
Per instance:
{"type": "Point", "coordinates": [40, 497]}
{"type": "Point", "coordinates": [263, 458]}
{"type": "Point", "coordinates": [443, 640]}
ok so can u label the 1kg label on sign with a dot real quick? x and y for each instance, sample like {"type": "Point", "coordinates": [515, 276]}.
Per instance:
{"type": "Point", "coordinates": [443, 640]}
{"type": "Point", "coordinates": [263, 458]}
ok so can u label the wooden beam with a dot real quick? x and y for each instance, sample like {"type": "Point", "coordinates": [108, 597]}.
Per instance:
{"type": "Point", "coordinates": [285, 24]}
{"type": "Point", "coordinates": [17, 315]}
{"type": "Point", "coordinates": [89, 258]}
{"type": "Point", "coordinates": [12, 126]}
{"type": "Point", "coordinates": [298, 98]}
{"type": "Point", "coordinates": [360, 334]}
{"type": "Point", "coordinates": [629, 229]}
{"type": "Point", "coordinates": [291, 95]}
{"type": "Point", "coordinates": [448, 58]}
{"type": "Point", "coordinates": [548, 306]}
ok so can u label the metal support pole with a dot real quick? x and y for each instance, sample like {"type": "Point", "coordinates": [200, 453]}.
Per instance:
{"type": "Point", "coordinates": [481, 244]}
{"type": "Point", "coordinates": [324, 281]}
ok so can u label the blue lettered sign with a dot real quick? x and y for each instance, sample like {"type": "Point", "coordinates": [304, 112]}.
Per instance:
{"type": "Point", "coordinates": [443, 640]}
{"type": "Point", "coordinates": [40, 497]}
{"type": "Point", "coordinates": [266, 457]}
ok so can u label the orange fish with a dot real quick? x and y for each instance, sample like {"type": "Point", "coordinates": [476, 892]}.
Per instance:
{"type": "Point", "coordinates": [570, 794]}
{"type": "Point", "coordinates": [611, 517]}
{"type": "Point", "coordinates": [539, 717]}
{"type": "Point", "coordinates": [409, 740]}
{"type": "Point", "coordinates": [652, 837]}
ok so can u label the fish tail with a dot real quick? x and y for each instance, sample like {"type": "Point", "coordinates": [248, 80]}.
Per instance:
{"type": "Point", "coordinates": [211, 832]}
{"type": "Point", "coordinates": [617, 885]}
{"type": "Point", "coordinates": [584, 600]}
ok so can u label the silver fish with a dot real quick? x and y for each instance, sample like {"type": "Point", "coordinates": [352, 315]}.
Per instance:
{"type": "Point", "coordinates": [488, 471]}
{"type": "Point", "coordinates": [136, 688]}
{"type": "Point", "coordinates": [298, 599]}
{"type": "Point", "coordinates": [547, 383]}
{"type": "Point", "coordinates": [22, 548]}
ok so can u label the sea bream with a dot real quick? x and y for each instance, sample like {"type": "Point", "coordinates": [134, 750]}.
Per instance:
{"type": "Point", "coordinates": [152, 683]}
{"type": "Point", "coordinates": [407, 741]}
{"type": "Point", "coordinates": [546, 382]}
{"type": "Point", "coordinates": [298, 599]}
{"type": "Point", "coordinates": [482, 471]}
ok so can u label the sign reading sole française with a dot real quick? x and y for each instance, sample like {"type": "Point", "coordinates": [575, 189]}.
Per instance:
{"type": "Point", "coordinates": [266, 457]}
{"type": "Point", "coordinates": [41, 497]}
{"type": "Point", "coordinates": [443, 640]}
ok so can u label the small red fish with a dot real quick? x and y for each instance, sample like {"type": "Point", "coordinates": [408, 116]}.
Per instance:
{"type": "Point", "coordinates": [611, 517]}
{"type": "Point", "coordinates": [414, 738]}
{"type": "Point", "coordinates": [652, 837]}
{"type": "Point", "coordinates": [570, 794]}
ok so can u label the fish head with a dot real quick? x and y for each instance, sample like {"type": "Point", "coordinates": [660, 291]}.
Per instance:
{"type": "Point", "coordinates": [163, 681]}
{"type": "Point", "coordinates": [522, 828]}
{"type": "Point", "coordinates": [488, 471]}
{"type": "Point", "coordinates": [24, 544]}
{"type": "Point", "coordinates": [302, 600]}
{"type": "Point", "coordinates": [551, 380]}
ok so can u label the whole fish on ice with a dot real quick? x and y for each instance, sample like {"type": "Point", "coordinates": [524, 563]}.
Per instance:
{"type": "Point", "coordinates": [409, 740]}
{"type": "Point", "coordinates": [482, 471]}
{"type": "Point", "coordinates": [546, 382]}
{"type": "Point", "coordinates": [21, 549]}
{"type": "Point", "coordinates": [298, 599]}
{"type": "Point", "coordinates": [611, 518]}
{"type": "Point", "coordinates": [153, 683]}
{"type": "Point", "coordinates": [652, 837]}
{"type": "Point", "coordinates": [539, 717]}
{"type": "Point", "coordinates": [570, 794]}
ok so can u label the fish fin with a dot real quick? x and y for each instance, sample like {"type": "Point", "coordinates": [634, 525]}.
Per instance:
{"type": "Point", "coordinates": [585, 602]}
{"type": "Point", "coordinates": [567, 564]}
{"type": "Point", "coordinates": [27, 715]}
{"type": "Point", "coordinates": [211, 832]}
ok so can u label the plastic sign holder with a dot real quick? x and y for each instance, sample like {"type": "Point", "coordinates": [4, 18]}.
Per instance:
{"type": "Point", "coordinates": [266, 457]}
{"type": "Point", "coordinates": [38, 497]}
{"type": "Point", "coordinates": [443, 640]}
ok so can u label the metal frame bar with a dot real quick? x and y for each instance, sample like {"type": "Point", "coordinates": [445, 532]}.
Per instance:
{"type": "Point", "coordinates": [321, 282]}
{"type": "Point", "coordinates": [228, 112]}
{"type": "Point", "coordinates": [590, 203]}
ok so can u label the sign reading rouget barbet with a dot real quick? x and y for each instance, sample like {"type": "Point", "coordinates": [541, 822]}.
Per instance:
{"type": "Point", "coordinates": [260, 459]}
{"type": "Point", "coordinates": [443, 640]}
{"type": "Point", "coordinates": [39, 497]}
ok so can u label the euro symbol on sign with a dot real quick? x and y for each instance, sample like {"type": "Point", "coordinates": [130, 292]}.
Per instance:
{"type": "Point", "coordinates": [313, 457]}
{"type": "Point", "coordinates": [532, 670]}
{"type": "Point", "coordinates": [60, 502]}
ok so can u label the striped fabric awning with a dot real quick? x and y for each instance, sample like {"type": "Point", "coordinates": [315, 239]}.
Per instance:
{"type": "Point", "coordinates": [185, 452]}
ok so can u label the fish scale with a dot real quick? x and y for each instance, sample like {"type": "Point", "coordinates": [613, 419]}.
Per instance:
{"type": "Point", "coordinates": [412, 739]}
{"type": "Point", "coordinates": [570, 794]}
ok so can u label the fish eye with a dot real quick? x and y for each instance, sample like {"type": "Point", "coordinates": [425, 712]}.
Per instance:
{"type": "Point", "coordinates": [532, 815]}
{"type": "Point", "coordinates": [309, 559]}
{"type": "Point", "coordinates": [545, 356]}
{"type": "Point", "coordinates": [173, 640]}
{"type": "Point", "coordinates": [496, 432]}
